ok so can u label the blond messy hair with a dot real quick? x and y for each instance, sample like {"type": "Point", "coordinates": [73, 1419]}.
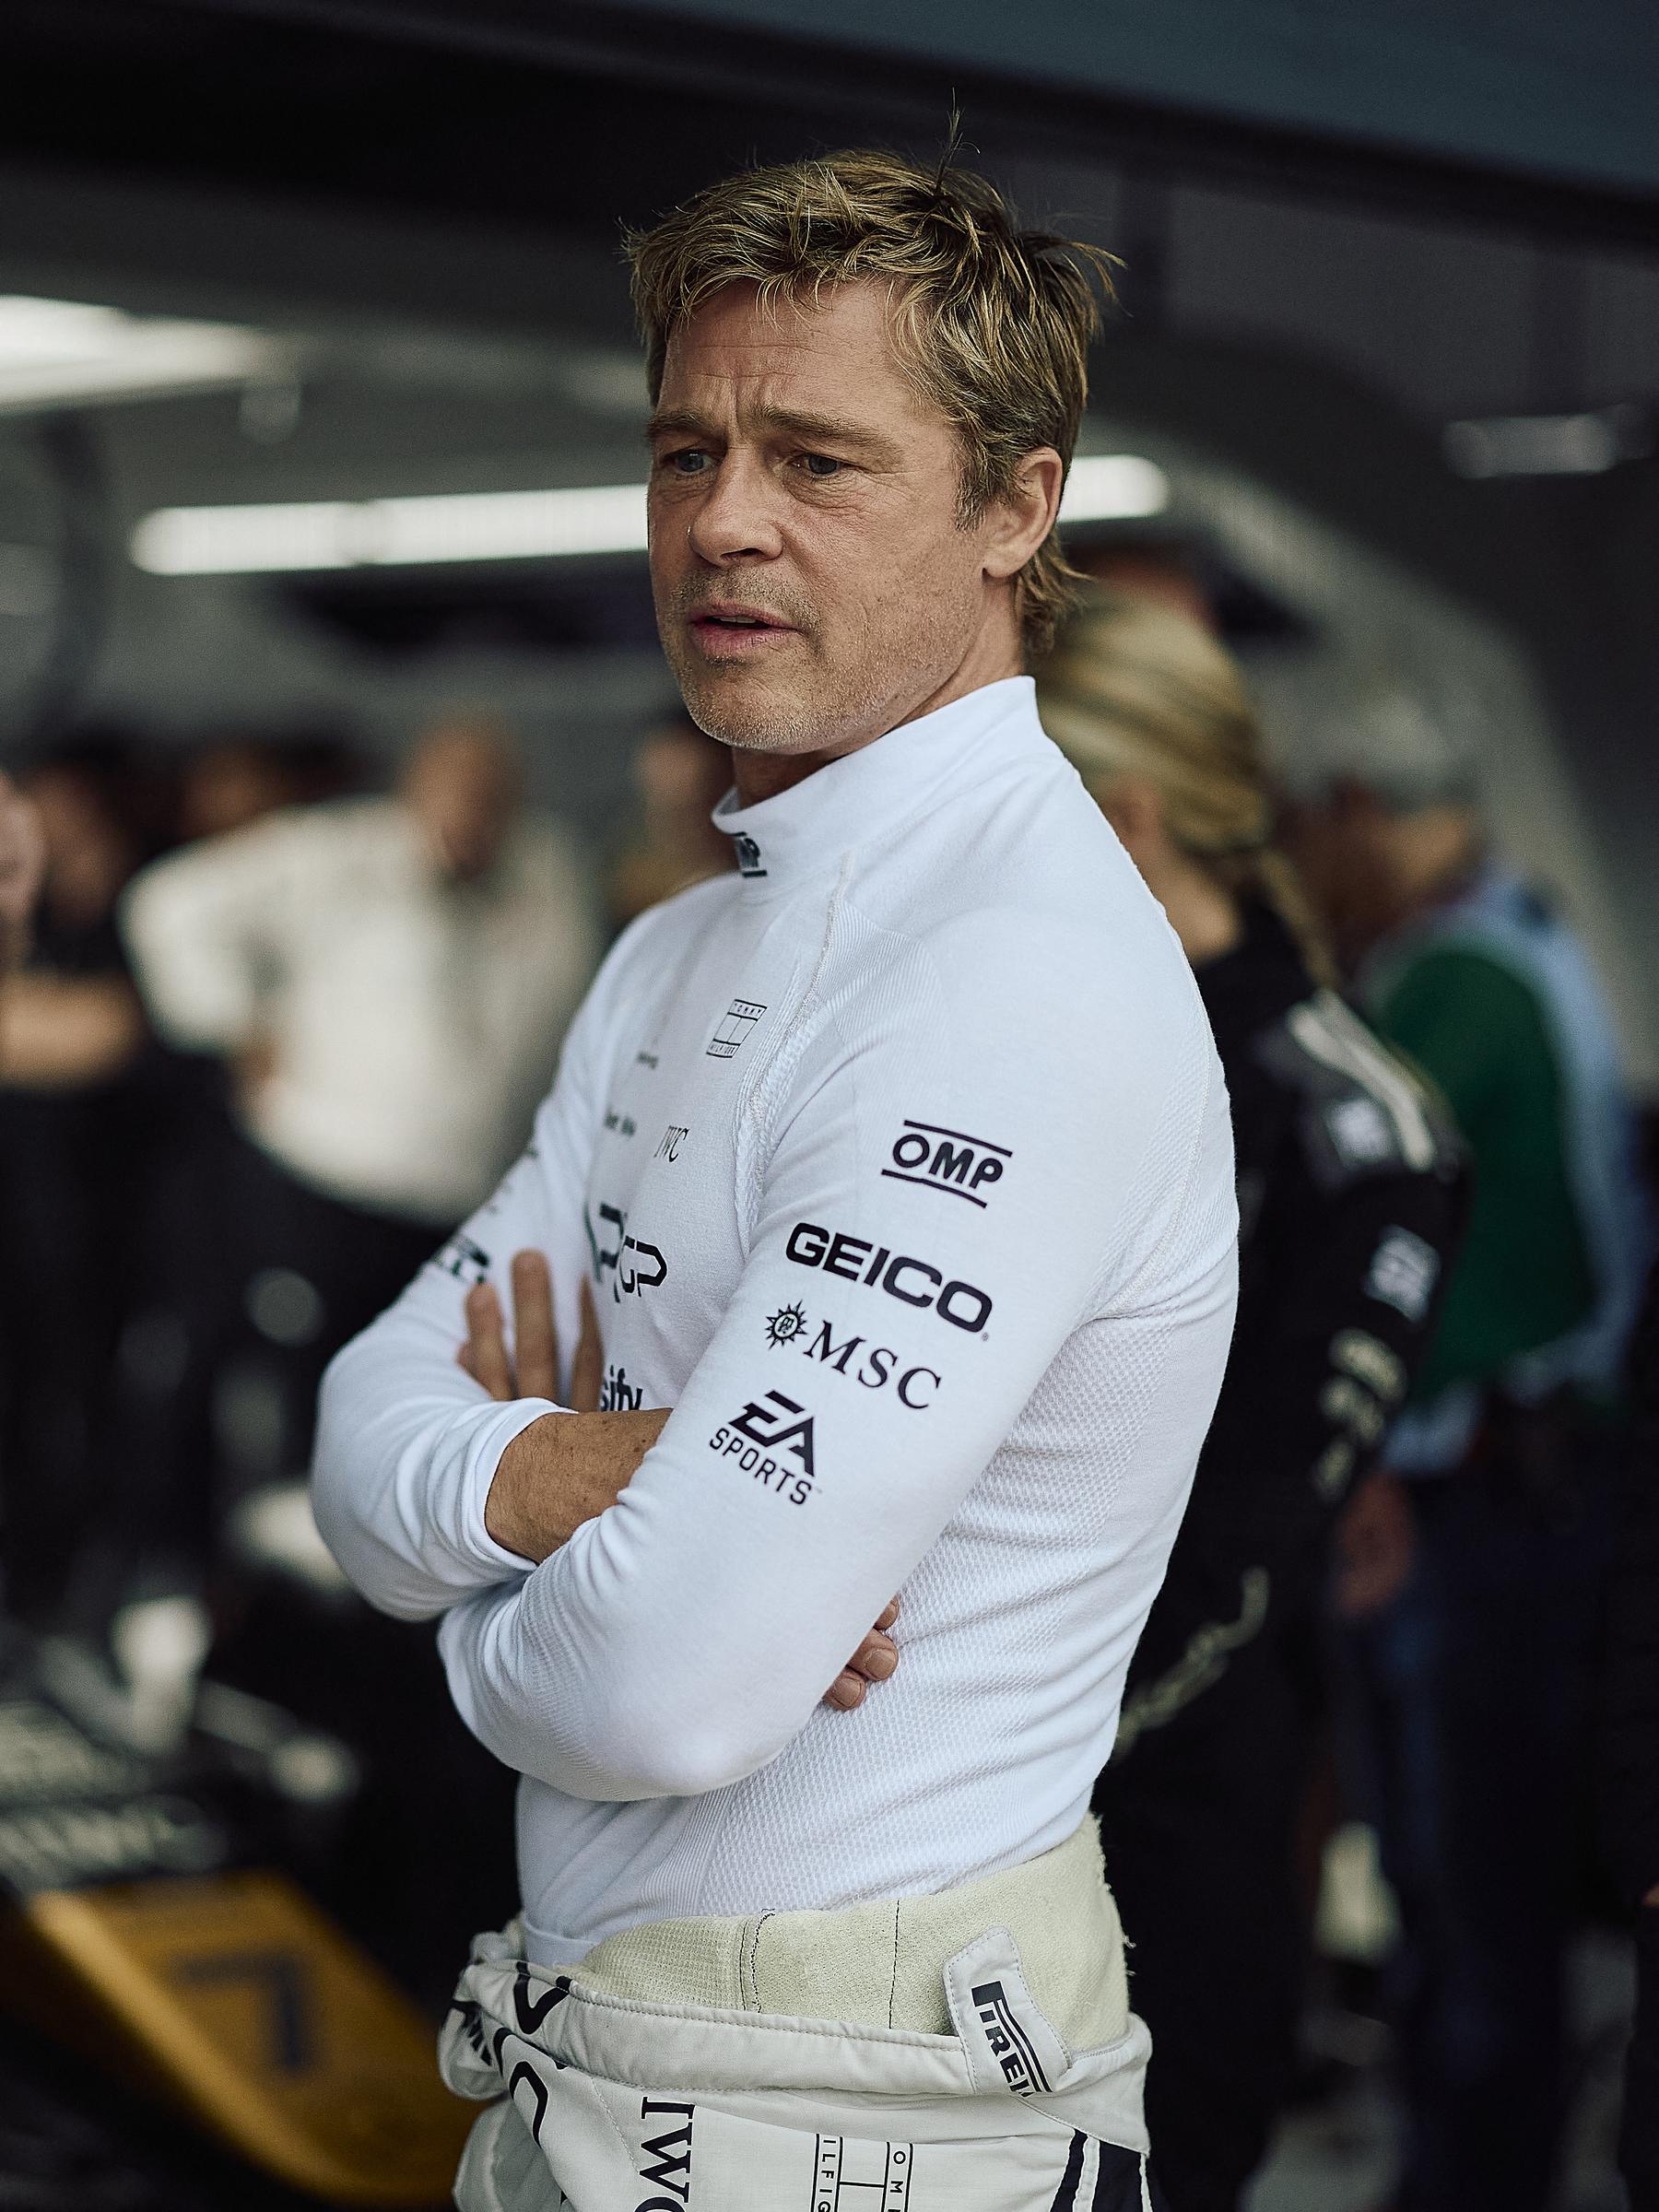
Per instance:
{"type": "Point", "coordinates": [990, 323]}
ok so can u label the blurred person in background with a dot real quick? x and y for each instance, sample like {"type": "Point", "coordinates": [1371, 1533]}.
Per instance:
{"type": "Point", "coordinates": [389, 980]}
{"type": "Point", "coordinates": [231, 782]}
{"type": "Point", "coordinates": [679, 777]}
{"type": "Point", "coordinates": [1629, 1753]}
{"type": "Point", "coordinates": [1349, 1197]}
{"type": "Point", "coordinates": [76, 1119]}
{"type": "Point", "coordinates": [22, 867]}
{"type": "Point", "coordinates": [1476, 1558]}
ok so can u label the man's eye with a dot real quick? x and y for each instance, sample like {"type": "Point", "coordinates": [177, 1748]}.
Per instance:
{"type": "Point", "coordinates": [689, 463]}
{"type": "Point", "coordinates": [821, 464]}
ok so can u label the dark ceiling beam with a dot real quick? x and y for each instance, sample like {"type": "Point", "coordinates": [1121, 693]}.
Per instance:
{"type": "Point", "coordinates": [799, 90]}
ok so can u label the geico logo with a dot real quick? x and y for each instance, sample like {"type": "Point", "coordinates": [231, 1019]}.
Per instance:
{"type": "Point", "coordinates": [764, 1430]}
{"type": "Point", "coordinates": [946, 1159]}
{"type": "Point", "coordinates": [858, 1260]}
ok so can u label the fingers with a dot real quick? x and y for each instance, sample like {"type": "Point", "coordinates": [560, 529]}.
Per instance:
{"type": "Point", "coordinates": [587, 1368]}
{"type": "Point", "coordinates": [534, 1337]}
{"type": "Point", "coordinates": [890, 1614]}
{"type": "Point", "coordinates": [485, 1352]}
{"type": "Point", "coordinates": [873, 1661]}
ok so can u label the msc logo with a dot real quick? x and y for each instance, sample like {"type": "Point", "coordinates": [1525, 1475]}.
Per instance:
{"type": "Point", "coordinates": [874, 1371]}
{"type": "Point", "coordinates": [943, 1159]}
{"type": "Point", "coordinates": [763, 1436]}
{"type": "Point", "coordinates": [634, 1266]}
{"type": "Point", "coordinates": [749, 862]}
{"type": "Point", "coordinates": [912, 1281]}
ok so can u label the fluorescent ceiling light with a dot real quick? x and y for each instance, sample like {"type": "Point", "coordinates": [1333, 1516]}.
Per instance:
{"type": "Point", "coordinates": [499, 525]}
{"type": "Point", "coordinates": [1547, 445]}
{"type": "Point", "coordinates": [1113, 487]}
{"type": "Point", "coordinates": [62, 352]}
{"type": "Point", "coordinates": [352, 534]}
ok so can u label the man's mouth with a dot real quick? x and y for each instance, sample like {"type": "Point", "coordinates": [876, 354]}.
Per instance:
{"type": "Point", "coordinates": [731, 633]}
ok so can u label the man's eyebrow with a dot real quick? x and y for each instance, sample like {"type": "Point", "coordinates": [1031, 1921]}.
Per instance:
{"type": "Point", "coordinates": [811, 429]}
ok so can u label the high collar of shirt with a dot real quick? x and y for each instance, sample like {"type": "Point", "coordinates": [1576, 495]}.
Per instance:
{"type": "Point", "coordinates": [866, 797]}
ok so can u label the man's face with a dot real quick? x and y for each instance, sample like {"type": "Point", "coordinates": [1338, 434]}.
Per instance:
{"type": "Point", "coordinates": [814, 585]}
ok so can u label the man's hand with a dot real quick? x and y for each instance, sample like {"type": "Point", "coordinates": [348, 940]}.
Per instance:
{"type": "Point", "coordinates": [567, 1467]}
{"type": "Point", "coordinates": [22, 867]}
{"type": "Point", "coordinates": [1376, 1544]}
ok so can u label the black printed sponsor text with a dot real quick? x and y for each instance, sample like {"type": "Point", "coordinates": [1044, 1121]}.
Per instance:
{"type": "Point", "coordinates": [772, 1439]}
{"type": "Point", "coordinates": [875, 1366]}
{"type": "Point", "coordinates": [948, 1160]}
{"type": "Point", "coordinates": [913, 1281]}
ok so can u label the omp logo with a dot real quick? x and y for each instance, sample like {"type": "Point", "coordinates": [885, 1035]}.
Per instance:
{"type": "Point", "coordinates": [763, 1436]}
{"type": "Point", "coordinates": [874, 1371]}
{"type": "Point", "coordinates": [943, 1159]}
{"type": "Point", "coordinates": [1010, 2045]}
{"type": "Point", "coordinates": [749, 862]}
{"type": "Point", "coordinates": [734, 1026]}
{"type": "Point", "coordinates": [665, 2158]}
{"type": "Point", "coordinates": [912, 1281]}
{"type": "Point", "coordinates": [633, 1266]}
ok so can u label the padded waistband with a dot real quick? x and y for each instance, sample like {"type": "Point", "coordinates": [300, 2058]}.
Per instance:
{"type": "Point", "coordinates": [882, 1964]}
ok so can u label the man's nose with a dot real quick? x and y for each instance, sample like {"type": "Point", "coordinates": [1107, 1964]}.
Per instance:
{"type": "Point", "coordinates": [737, 518]}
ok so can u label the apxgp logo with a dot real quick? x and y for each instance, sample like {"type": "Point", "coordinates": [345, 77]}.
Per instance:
{"type": "Point", "coordinates": [633, 1266]}
{"type": "Point", "coordinates": [943, 1159]}
{"type": "Point", "coordinates": [734, 1026]}
{"type": "Point", "coordinates": [856, 1260]}
{"type": "Point", "coordinates": [749, 862]}
{"type": "Point", "coordinates": [763, 1436]}
{"type": "Point", "coordinates": [917, 1386]}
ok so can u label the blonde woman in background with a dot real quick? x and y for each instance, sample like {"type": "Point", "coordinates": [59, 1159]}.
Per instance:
{"type": "Point", "coordinates": [1348, 1192]}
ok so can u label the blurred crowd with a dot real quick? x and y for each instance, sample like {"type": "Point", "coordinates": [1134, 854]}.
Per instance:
{"type": "Point", "coordinates": [271, 1031]}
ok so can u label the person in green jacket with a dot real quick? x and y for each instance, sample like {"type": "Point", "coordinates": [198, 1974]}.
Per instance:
{"type": "Point", "coordinates": [1476, 1558]}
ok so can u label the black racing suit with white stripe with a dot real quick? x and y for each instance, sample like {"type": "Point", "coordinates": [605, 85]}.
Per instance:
{"type": "Point", "coordinates": [1350, 1189]}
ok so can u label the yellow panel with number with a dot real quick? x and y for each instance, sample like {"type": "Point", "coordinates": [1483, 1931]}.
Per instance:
{"type": "Point", "coordinates": [265, 2018]}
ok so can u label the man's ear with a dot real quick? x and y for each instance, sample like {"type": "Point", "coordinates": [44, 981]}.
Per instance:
{"type": "Point", "coordinates": [1024, 516]}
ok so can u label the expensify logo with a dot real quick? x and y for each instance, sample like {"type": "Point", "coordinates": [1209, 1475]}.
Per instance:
{"type": "Point", "coordinates": [912, 1281]}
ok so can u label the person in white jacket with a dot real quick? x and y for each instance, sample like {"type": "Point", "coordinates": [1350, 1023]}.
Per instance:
{"type": "Point", "coordinates": [896, 1164]}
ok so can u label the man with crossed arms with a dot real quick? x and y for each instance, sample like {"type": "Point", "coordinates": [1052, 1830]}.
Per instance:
{"type": "Point", "coordinates": [896, 1163]}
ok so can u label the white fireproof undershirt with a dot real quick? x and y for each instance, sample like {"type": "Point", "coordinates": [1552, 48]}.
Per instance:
{"type": "Point", "coordinates": [898, 1163]}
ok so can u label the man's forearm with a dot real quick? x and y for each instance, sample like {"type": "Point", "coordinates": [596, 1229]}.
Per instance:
{"type": "Point", "coordinates": [562, 1470]}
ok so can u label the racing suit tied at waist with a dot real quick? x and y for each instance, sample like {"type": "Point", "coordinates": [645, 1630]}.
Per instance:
{"type": "Point", "coordinates": [976, 2045]}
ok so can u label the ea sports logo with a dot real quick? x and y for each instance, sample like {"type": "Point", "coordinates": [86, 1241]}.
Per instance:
{"type": "Point", "coordinates": [945, 1160]}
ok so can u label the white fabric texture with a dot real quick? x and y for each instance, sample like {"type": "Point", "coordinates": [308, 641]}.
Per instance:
{"type": "Point", "coordinates": [416, 1021]}
{"type": "Point", "coordinates": [899, 1163]}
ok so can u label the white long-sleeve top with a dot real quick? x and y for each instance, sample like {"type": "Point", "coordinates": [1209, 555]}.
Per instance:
{"type": "Point", "coordinates": [899, 1164]}
{"type": "Point", "coordinates": [415, 1021]}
